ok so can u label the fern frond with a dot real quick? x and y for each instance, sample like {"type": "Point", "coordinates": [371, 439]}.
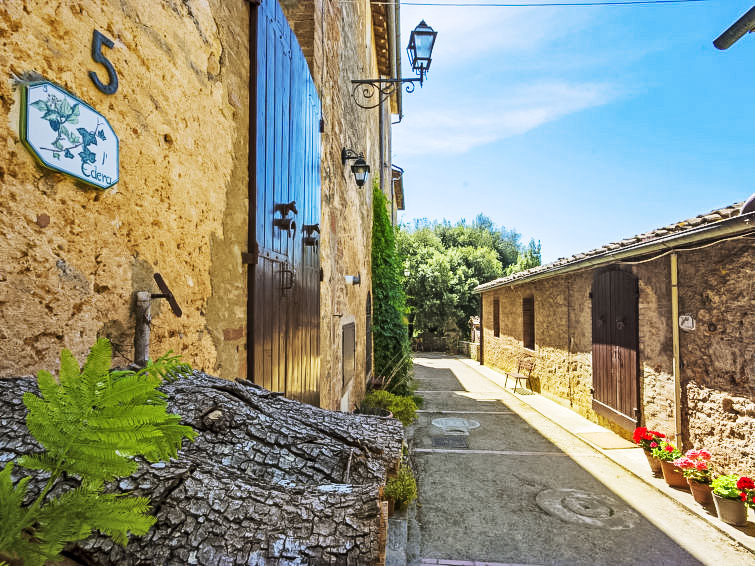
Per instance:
{"type": "Point", "coordinates": [132, 389]}
{"type": "Point", "coordinates": [69, 367]}
{"type": "Point", "coordinates": [92, 424]}
{"type": "Point", "coordinates": [87, 510]}
{"type": "Point", "coordinates": [41, 461]}
{"type": "Point", "coordinates": [98, 361]}
{"type": "Point", "coordinates": [15, 523]}
{"type": "Point", "coordinates": [119, 516]}
{"type": "Point", "coordinates": [11, 508]}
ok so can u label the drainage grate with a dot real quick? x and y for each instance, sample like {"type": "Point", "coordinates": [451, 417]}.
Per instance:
{"type": "Point", "coordinates": [451, 441]}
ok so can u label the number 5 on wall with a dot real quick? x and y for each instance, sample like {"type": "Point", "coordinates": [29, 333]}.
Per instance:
{"type": "Point", "coordinates": [97, 40]}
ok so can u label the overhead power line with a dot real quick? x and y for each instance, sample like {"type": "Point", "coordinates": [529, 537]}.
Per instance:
{"type": "Point", "coordinates": [539, 5]}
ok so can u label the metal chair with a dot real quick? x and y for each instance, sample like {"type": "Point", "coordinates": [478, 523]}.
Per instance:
{"type": "Point", "coordinates": [524, 368]}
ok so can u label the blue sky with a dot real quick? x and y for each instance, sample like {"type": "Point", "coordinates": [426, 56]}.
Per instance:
{"type": "Point", "coordinates": [578, 126]}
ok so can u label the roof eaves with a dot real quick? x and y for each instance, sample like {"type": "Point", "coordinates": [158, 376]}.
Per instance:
{"type": "Point", "coordinates": [717, 224]}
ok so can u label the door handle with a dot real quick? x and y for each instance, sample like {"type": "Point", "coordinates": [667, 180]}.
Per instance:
{"type": "Point", "coordinates": [288, 279]}
{"type": "Point", "coordinates": [310, 239]}
{"type": "Point", "coordinates": [285, 208]}
{"type": "Point", "coordinates": [286, 224]}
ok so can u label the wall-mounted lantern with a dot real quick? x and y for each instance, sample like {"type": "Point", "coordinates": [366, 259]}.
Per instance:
{"type": "Point", "coordinates": [420, 49]}
{"type": "Point", "coordinates": [360, 168]}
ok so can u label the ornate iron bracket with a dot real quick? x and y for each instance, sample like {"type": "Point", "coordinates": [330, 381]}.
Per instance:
{"type": "Point", "coordinates": [370, 93]}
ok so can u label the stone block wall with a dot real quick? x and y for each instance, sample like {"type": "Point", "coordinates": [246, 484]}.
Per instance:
{"type": "Point", "coordinates": [563, 341]}
{"type": "Point", "coordinates": [717, 288]}
{"type": "Point", "coordinates": [71, 257]}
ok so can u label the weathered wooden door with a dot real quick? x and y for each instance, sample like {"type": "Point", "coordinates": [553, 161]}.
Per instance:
{"type": "Point", "coordinates": [615, 341]}
{"type": "Point", "coordinates": [284, 283]}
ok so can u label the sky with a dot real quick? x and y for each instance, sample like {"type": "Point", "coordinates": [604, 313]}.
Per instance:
{"type": "Point", "coordinates": [578, 126]}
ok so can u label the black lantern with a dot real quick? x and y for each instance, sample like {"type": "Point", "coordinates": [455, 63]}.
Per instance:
{"type": "Point", "coordinates": [420, 48]}
{"type": "Point", "coordinates": [360, 168]}
{"type": "Point", "coordinates": [370, 93]}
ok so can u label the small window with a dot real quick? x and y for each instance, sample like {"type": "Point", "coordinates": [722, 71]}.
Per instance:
{"type": "Point", "coordinates": [496, 318]}
{"type": "Point", "coordinates": [528, 323]}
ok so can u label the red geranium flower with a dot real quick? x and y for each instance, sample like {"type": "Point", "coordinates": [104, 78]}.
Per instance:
{"type": "Point", "coordinates": [745, 483]}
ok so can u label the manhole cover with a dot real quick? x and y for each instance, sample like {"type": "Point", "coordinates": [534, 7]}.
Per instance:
{"type": "Point", "coordinates": [575, 506]}
{"type": "Point", "coordinates": [452, 441]}
{"type": "Point", "coordinates": [455, 425]}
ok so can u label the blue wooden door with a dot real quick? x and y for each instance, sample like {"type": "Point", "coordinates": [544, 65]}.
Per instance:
{"type": "Point", "coordinates": [284, 305]}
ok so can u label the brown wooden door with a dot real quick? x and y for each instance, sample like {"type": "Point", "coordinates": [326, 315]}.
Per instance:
{"type": "Point", "coordinates": [615, 346]}
{"type": "Point", "coordinates": [284, 284]}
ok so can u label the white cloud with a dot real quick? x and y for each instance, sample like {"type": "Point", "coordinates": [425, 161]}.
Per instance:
{"type": "Point", "coordinates": [466, 33]}
{"type": "Point", "coordinates": [457, 127]}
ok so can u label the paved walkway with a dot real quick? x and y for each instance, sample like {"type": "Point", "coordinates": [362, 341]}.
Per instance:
{"type": "Point", "coordinates": [523, 489]}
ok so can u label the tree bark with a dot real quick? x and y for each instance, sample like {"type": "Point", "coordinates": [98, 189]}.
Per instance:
{"type": "Point", "coordinates": [268, 481]}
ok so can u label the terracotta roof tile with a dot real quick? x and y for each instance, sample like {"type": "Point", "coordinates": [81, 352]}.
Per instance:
{"type": "Point", "coordinates": [648, 237]}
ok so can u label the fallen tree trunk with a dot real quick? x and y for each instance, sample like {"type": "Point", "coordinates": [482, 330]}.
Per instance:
{"type": "Point", "coordinates": [267, 481]}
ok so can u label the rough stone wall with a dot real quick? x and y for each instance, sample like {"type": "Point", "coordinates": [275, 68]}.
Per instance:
{"type": "Point", "coordinates": [563, 341]}
{"type": "Point", "coordinates": [716, 287]}
{"type": "Point", "coordinates": [71, 257]}
{"type": "Point", "coordinates": [656, 343]}
{"type": "Point", "coordinates": [563, 337]}
{"type": "Point", "coordinates": [337, 40]}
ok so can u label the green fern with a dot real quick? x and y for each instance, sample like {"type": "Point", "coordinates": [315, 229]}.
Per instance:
{"type": "Point", "coordinates": [91, 423]}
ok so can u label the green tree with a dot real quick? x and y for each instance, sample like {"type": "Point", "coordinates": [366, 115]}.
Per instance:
{"type": "Point", "coordinates": [528, 258]}
{"type": "Point", "coordinates": [444, 262]}
{"type": "Point", "coordinates": [390, 338]}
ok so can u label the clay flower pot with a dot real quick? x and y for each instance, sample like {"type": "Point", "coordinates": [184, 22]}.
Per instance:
{"type": "Point", "coordinates": [673, 476]}
{"type": "Point", "coordinates": [732, 511]}
{"type": "Point", "coordinates": [702, 492]}
{"type": "Point", "coordinates": [655, 463]}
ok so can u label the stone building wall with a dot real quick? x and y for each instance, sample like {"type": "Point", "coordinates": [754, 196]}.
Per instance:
{"type": "Point", "coordinates": [71, 256]}
{"type": "Point", "coordinates": [563, 337]}
{"type": "Point", "coordinates": [716, 287]}
{"type": "Point", "coordinates": [563, 341]}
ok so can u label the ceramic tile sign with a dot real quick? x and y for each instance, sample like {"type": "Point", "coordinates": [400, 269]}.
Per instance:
{"type": "Point", "coordinates": [68, 136]}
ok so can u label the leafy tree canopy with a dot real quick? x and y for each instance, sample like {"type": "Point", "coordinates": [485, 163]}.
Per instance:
{"type": "Point", "coordinates": [444, 262]}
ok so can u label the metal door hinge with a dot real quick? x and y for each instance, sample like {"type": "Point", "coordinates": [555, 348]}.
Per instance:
{"type": "Point", "coordinates": [322, 125]}
{"type": "Point", "coordinates": [250, 258]}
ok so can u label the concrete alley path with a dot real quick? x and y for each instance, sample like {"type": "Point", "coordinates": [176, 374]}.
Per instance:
{"type": "Point", "coordinates": [521, 490]}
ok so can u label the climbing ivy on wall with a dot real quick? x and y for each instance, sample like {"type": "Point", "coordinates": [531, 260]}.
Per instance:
{"type": "Point", "coordinates": [391, 342]}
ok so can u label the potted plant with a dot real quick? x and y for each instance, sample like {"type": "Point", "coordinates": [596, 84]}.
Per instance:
{"type": "Point", "coordinates": [746, 487]}
{"type": "Point", "coordinates": [387, 404]}
{"type": "Point", "coordinates": [694, 467]}
{"type": "Point", "coordinates": [728, 500]}
{"type": "Point", "coordinates": [402, 489]}
{"type": "Point", "coordinates": [667, 453]}
{"type": "Point", "coordinates": [647, 440]}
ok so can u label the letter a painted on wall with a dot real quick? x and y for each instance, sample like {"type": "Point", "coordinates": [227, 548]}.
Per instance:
{"type": "Point", "coordinates": [67, 135]}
